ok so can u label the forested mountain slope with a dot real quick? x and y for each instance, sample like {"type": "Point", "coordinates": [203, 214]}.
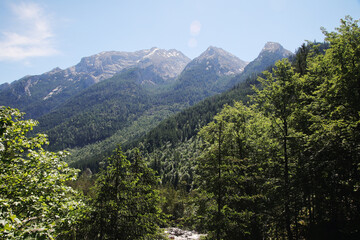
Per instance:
{"type": "Point", "coordinates": [275, 157]}
{"type": "Point", "coordinates": [197, 81]}
{"type": "Point", "coordinates": [40, 94]}
{"type": "Point", "coordinates": [172, 147]}
{"type": "Point", "coordinates": [270, 53]}
{"type": "Point", "coordinates": [100, 110]}
{"type": "Point", "coordinates": [97, 112]}
{"type": "Point", "coordinates": [78, 106]}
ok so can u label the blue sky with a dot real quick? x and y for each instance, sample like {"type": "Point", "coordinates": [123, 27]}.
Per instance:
{"type": "Point", "coordinates": [37, 36]}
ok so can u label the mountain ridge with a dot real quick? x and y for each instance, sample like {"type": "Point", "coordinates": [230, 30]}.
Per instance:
{"type": "Point", "coordinates": [224, 62]}
{"type": "Point", "coordinates": [193, 85]}
{"type": "Point", "coordinates": [269, 54]}
{"type": "Point", "coordinates": [115, 61]}
{"type": "Point", "coordinates": [213, 72]}
{"type": "Point", "coordinates": [40, 94]}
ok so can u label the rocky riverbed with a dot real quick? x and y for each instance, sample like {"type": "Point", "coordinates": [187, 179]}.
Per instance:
{"type": "Point", "coordinates": [180, 234]}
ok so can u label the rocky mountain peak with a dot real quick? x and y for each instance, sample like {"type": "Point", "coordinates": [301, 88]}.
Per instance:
{"type": "Point", "coordinates": [270, 53]}
{"type": "Point", "coordinates": [166, 54]}
{"type": "Point", "coordinates": [223, 62]}
{"type": "Point", "coordinates": [275, 47]}
{"type": "Point", "coordinates": [55, 70]}
{"type": "Point", "coordinates": [166, 63]}
{"type": "Point", "coordinates": [48, 90]}
{"type": "Point", "coordinates": [212, 52]}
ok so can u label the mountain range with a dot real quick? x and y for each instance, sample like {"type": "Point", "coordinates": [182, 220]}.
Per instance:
{"type": "Point", "coordinates": [38, 95]}
{"type": "Point", "coordinates": [123, 95]}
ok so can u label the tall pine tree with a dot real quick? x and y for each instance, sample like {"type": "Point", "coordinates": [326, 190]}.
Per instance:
{"type": "Point", "coordinates": [127, 204]}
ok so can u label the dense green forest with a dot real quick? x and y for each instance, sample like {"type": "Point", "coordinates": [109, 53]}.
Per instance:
{"type": "Point", "coordinates": [161, 104]}
{"type": "Point", "coordinates": [276, 157]}
{"type": "Point", "coordinates": [120, 109]}
{"type": "Point", "coordinates": [115, 104]}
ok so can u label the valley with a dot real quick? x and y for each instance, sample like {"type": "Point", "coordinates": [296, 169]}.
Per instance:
{"type": "Point", "coordinates": [126, 145]}
{"type": "Point", "coordinates": [77, 115]}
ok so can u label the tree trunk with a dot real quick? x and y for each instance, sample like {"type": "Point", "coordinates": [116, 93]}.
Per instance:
{"type": "Point", "coordinates": [219, 200]}
{"type": "Point", "coordinates": [287, 184]}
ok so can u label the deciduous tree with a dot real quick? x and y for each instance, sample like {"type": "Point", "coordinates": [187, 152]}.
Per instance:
{"type": "Point", "coordinates": [35, 201]}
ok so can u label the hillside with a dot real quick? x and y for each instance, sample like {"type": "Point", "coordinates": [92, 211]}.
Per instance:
{"type": "Point", "coordinates": [40, 94]}
{"type": "Point", "coordinates": [192, 86]}
{"type": "Point", "coordinates": [220, 148]}
{"type": "Point", "coordinates": [113, 104]}
{"type": "Point", "coordinates": [109, 98]}
{"type": "Point", "coordinates": [97, 112]}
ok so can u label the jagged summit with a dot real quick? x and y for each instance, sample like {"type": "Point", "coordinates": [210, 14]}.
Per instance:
{"type": "Point", "coordinates": [275, 47]}
{"type": "Point", "coordinates": [166, 63]}
{"type": "Point", "coordinates": [55, 70]}
{"type": "Point", "coordinates": [212, 51]}
{"type": "Point", "coordinates": [48, 90]}
{"type": "Point", "coordinates": [270, 53]}
{"type": "Point", "coordinates": [223, 62]}
{"type": "Point", "coordinates": [40, 94]}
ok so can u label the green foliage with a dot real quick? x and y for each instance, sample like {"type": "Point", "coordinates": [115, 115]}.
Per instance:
{"type": "Point", "coordinates": [304, 53]}
{"type": "Point", "coordinates": [233, 170]}
{"type": "Point", "coordinates": [278, 99]}
{"type": "Point", "coordinates": [177, 206]}
{"type": "Point", "coordinates": [35, 201]}
{"type": "Point", "coordinates": [159, 126]}
{"type": "Point", "coordinates": [126, 205]}
{"type": "Point", "coordinates": [96, 113]}
{"type": "Point", "coordinates": [296, 174]}
{"type": "Point", "coordinates": [84, 183]}
{"type": "Point", "coordinates": [285, 167]}
{"type": "Point", "coordinates": [90, 155]}
{"type": "Point", "coordinates": [196, 82]}
{"type": "Point", "coordinates": [278, 94]}
{"type": "Point", "coordinates": [175, 164]}
{"type": "Point", "coordinates": [333, 143]}
{"type": "Point", "coordinates": [187, 123]}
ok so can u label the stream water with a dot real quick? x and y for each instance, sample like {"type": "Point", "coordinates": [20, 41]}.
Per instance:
{"type": "Point", "coordinates": [179, 234]}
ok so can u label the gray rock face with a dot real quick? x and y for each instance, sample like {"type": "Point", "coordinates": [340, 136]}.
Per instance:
{"type": "Point", "coordinates": [222, 61]}
{"type": "Point", "coordinates": [167, 64]}
{"type": "Point", "coordinates": [274, 47]}
{"type": "Point", "coordinates": [4, 86]}
{"type": "Point", "coordinates": [270, 53]}
{"type": "Point", "coordinates": [39, 94]}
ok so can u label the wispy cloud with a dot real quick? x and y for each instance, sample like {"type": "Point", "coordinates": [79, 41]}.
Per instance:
{"type": "Point", "coordinates": [32, 38]}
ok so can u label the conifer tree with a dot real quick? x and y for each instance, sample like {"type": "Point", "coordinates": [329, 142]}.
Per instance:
{"type": "Point", "coordinates": [127, 204]}
{"type": "Point", "coordinates": [232, 173]}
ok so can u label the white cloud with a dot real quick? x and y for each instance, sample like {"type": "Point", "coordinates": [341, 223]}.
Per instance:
{"type": "Point", "coordinates": [195, 28]}
{"type": "Point", "coordinates": [32, 38]}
